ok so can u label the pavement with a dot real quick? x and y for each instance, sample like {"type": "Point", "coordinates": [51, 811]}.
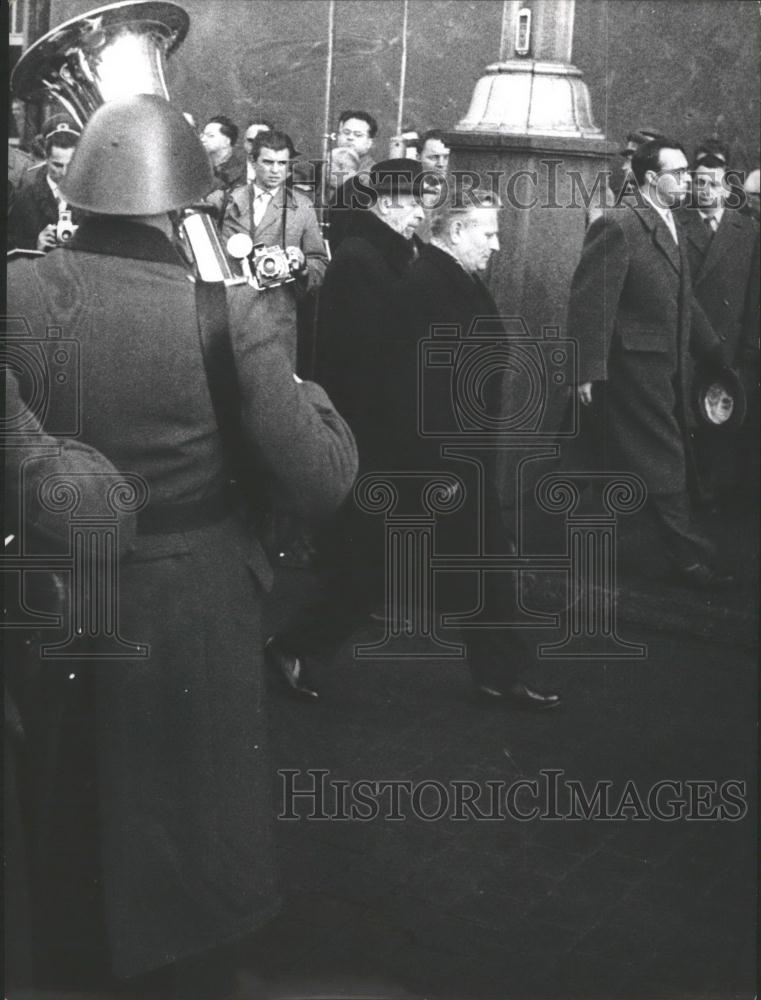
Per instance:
{"type": "Point", "coordinates": [538, 888]}
{"type": "Point", "coordinates": [627, 903]}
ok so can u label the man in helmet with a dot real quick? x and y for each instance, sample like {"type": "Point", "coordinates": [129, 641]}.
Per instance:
{"type": "Point", "coordinates": [184, 786]}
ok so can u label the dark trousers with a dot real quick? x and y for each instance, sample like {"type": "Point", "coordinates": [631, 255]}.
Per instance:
{"type": "Point", "coordinates": [685, 543]}
{"type": "Point", "coordinates": [352, 550]}
{"type": "Point", "coordinates": [351, 558]}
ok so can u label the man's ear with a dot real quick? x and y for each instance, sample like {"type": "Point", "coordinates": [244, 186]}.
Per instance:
{"type": "Point", "coordinates": [455, 228]}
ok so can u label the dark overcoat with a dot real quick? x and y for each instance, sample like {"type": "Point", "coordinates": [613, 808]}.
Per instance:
{"type": "Point", "coordinates": [724, 269]}
{"type": "Point", "coordinates": [636, 322]}
{"type": "Point", "coordinates": [356, 319]}
{"type": "Point", "coordinates": [185, 787]}
{"type": "Point", "coordinates": [436, 292]}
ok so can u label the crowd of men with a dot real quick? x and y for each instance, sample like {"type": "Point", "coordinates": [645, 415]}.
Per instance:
{"type": "Point", "coordinates": [178, 754]}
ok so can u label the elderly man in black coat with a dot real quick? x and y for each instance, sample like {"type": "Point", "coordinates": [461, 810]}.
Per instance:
{"type": "Point", "coordinates": [444, 288]}
{"type": "Point", "coordinates": [636, 321]}
{"type": "Point", "coordinates": [356, 317]}
{"type": "Point", "coordinates": [184, 783]}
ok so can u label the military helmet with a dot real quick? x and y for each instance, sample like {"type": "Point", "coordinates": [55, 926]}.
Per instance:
{"type": "Point", "coordinates": [137, 156]}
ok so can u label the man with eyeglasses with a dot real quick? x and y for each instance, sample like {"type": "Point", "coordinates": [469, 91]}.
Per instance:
{"type": "Point", "coordinates": [357, 130]}
{"type": "Point", "coordinates": [723, 251]}
{"type": "Point", "coordinates": [620, 181]}
{"type": "Point", "coordinates": [636, 321]}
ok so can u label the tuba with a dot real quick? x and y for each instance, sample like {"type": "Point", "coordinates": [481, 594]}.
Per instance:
{"type": "Point", "coordinates": [118, 51]}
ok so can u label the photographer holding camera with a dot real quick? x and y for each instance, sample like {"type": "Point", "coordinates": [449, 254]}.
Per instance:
{"type": "Point", "coordinates": [39, 218]}
{"type": "Point", "coordinates": [275, 215]}
{"type": "Point", "coordinates": [282, 225]}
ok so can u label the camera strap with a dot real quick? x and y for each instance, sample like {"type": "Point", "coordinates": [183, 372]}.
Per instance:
{"type": "Point", "coordinates": [251, 226]}
{"type": "Point", "coordinates": [286, 191]}
{"type": "Point", "coordinates": [222, 377]}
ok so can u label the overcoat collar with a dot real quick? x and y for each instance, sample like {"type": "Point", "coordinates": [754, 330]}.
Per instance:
{"type": "Point", "coordinates": [122, 238]}
{"type": "Point", "coordinates": [393, 247]}
{"type": "Point", "coordinates": [465, 288]}
{"type": "Point", "coordinates": [714, 248]}
{"type": "Point", "coordinates": [462, 283]}
{"type": "Point", "coordinates": [661, 236]}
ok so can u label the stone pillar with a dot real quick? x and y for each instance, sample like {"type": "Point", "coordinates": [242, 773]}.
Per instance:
{"type": "Point", "coordinates": [529, 134]}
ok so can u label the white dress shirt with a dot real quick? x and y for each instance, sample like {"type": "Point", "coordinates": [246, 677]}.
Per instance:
{"type": "Point", "coordinates": [665, 214]}
{"type": "Point", "coordinates": [262, 198]}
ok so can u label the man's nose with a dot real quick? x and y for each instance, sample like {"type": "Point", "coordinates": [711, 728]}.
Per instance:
{"type": "Point", "coordinates": [494, 242]}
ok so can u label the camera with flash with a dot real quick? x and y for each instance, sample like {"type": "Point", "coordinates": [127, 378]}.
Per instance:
{"type": "Point", "coordinates": [265, 267]}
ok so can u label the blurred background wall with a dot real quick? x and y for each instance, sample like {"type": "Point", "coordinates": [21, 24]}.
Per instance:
{"type": "Point", "coordinates": [687, 67]}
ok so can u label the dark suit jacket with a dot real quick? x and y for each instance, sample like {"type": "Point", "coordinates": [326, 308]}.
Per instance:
{"type": "Point", "coordinates": [725, 277]}
{"type": "Point", "coordinates": [33, 208]}
{"type": "Point", "coordinates": [634, 317]}
{"type": "Point", "coordinates": [436, 291]}
{"type": "Point", "coordinates": [185, 786]}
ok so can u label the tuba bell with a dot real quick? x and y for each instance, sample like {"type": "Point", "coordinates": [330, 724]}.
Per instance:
{"type": "Point", "coordinates": [115, 51]}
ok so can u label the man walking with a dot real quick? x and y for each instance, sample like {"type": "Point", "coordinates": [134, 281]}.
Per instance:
{"type": "Point", "coordinates": [356, 318]}
{"type": "Point", "coordinates": [723, 251]}
{"type": "Point", "coordinates": [444, 288]}
{"type": "Point", "coordinates": [634, 317]}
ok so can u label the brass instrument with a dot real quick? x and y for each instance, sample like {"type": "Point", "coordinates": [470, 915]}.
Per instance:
{"type": "Point", "coordinates": [119, 50]}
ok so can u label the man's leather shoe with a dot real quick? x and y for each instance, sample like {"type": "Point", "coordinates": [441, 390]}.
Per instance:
{"type": "Point", "coordinates": [289, 670]}
{"type": "Point", "coordinates": [702, 577]}
{"type": "Point", "coordinates": [517, 695]}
